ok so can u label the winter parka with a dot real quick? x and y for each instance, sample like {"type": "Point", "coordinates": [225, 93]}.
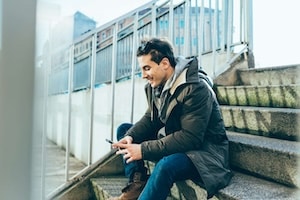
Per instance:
{"type": "Point", "coordinates": [189, 121]}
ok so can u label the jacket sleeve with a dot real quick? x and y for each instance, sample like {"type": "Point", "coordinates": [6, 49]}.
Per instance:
{"type": "Point", "coordinates": [144, 129]}
{"type": "Point", "coordinates": [193, 112]}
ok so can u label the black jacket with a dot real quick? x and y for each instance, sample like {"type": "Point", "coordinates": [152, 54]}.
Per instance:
{"type": "Point", "coordinates": [191, 122]}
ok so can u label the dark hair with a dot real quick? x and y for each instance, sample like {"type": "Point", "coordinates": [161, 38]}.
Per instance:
{"type": "Point", "coordinates": [158, 49]}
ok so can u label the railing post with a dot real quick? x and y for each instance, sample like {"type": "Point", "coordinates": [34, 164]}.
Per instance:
{"type": "Point", "coordinates": [153, 20]}
{"type": "Point", "coordinates": [171, 21]}
{"type": "Point", "coordinates": [229, 29]}
{"type": "Point", "coordinates": [113, 75]}
{"type": "Point", "coordinates": [251, 61]}
{"type": "Point", "coordinates": [70, 90]}
{"type": "Point", "coordinates": [46, 74]}
{"type": "Point", "coordinates": [92, 97]}
{"type": "Point", "coordinates": [224, 17]}
{"type": "Point", "coordinates": [186, 51]}
{"type": "Point", "coordinates": [133, 62]}
{"type": "Point", "coordinates": [201, 33]}
{"type": "Point", "coordinates": [215, 36]}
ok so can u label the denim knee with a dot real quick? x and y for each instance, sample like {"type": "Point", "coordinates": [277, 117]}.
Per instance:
{"type": "Point", "coordinates": [122, 129]}
{"type": "Point", "coordinates": [162, 167]}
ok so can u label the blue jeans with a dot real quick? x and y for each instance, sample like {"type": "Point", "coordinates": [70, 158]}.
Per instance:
{"type": "Point", "coordinates": [169, 169]}
{"type": "Point", "coordinates": [135, 166]}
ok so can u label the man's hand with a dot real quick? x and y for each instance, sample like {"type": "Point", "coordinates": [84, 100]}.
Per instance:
{"type": "Point", "coordinates": [124, 140]}
{"type": "Point", "coordinates": [130, 151]}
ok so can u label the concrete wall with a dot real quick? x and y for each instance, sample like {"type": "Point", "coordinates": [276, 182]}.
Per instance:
{"type": "Point", "coordinates": [57, 117]}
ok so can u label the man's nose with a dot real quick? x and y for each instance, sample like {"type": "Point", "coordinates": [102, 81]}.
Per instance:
{"type": "Point", "coordinates": [144, 75]}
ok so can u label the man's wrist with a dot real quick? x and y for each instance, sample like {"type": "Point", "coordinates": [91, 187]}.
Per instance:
{"type": "Point", "coordinates": [128, 137]}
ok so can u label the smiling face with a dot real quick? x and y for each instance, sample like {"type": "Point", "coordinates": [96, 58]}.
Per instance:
{"type": "Point", "coordinates": [156, 74]}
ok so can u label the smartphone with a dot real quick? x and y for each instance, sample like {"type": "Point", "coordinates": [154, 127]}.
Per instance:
{"type": "Point", "coordinates": [109, 141]}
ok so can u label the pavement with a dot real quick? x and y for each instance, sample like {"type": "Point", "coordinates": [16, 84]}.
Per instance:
{"type": "Point", "coordinates": [55, 174]}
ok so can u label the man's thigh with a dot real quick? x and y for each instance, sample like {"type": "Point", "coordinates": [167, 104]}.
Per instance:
{"type": "Point", "coordinates": [178, 166]}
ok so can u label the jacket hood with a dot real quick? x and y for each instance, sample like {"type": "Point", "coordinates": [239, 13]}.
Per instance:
{"type": "Point", "coordinates": [182, 63]}
{"type": "Point", "coordinates": [186, 70]}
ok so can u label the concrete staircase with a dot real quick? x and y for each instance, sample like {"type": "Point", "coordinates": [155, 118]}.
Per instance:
{"type": "Point", "coordinates": [261, 111]}
{"type": "Point", "coordinates": [261, 114]}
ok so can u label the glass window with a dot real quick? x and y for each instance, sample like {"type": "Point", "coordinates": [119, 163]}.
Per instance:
{"type": "Point", "coordinates": [181, 23]}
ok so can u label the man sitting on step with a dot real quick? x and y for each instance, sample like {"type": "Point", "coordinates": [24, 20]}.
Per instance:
{"type": "Point", "coordinates": [182, 130]}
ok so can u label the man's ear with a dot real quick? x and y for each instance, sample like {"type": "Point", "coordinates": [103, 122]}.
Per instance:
{"type": "Point", "coordinates": [165, 62]}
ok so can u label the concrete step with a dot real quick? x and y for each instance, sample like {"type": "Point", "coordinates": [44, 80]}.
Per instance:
{"type": "Point", "coordinates": [245, 187]}
{"type": "Point", "coordinates": [241, 187]}
{"type": "Point", "coordinates": [284, 96]}
{"type": "Point", "coordinates": [270, 122]}
{"type": "Point", "coordinates": [110, 186]}
{"type": "Point", "coordinates": [279, 75]}
{"type": "Point", "coordinates": [271, 158]}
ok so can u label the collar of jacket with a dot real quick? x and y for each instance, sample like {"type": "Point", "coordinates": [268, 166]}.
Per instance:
{"type": "Point", "coordinates": [188, 75]}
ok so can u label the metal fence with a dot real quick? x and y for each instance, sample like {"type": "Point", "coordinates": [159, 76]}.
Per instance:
{"type": "Point", "coordinates": [196, 28]}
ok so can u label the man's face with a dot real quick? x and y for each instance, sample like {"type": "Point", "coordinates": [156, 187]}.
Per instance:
{"type": "Point", "coordinates": [156, 74]}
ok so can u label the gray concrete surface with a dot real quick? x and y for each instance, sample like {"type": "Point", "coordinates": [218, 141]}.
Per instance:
{"type": "Point", "coordinates": [55, 174]}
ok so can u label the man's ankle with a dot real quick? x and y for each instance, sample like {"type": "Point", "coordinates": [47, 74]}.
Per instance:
{"type": "Point", "coordinates": [139, 175]}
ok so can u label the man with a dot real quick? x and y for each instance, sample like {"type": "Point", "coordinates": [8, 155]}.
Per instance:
{"type": "Point", "coordinates": [182, 129]}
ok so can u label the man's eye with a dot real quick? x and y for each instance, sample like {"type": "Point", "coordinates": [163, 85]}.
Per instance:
{"type": "Point", "coordinates": [146, 68]}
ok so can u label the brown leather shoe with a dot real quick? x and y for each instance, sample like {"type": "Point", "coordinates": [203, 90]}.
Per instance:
{"type": "Point", "coordinates": [133, 190]}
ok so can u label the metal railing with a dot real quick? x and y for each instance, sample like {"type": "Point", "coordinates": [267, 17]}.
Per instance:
{"type": "Point", "coordinates": [105, 56]}
{"type": "Point", "coordinates": [195, 27]}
